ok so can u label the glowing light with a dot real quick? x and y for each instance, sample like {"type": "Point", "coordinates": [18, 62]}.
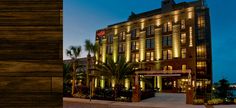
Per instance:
{"type": "Point", "coordinates": [190, 36]}
{"type": "Point", "coordinates": [127, 84]}
{"type": "Point", "coordinates": [102, 82]}
{"type": "Point", "coordinates": [142, 85]}
{"type": "Point", "coordinates": [158, 22]}
{"type": "Point", "coordinates": [176, 18]}
{"type": "Point", "coordinates": [113, 83]}
{"type": "Point", "coordinates": [115, 31]}
{"type": "Point", "coordinates": [159, 83]}
{"type": "Point", "coordinates": [96, 83]}
{"type": "Point", "coordinates": [142, 25]}
{"type": "Point", "coordinates": [128, 29]}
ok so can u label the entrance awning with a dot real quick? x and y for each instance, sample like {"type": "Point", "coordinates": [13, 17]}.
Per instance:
{"type": "Point", "coordinates": [163, 72]}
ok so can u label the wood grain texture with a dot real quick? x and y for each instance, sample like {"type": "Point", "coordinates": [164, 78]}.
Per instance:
{"type": "Point", "coordinates": [31, 54]}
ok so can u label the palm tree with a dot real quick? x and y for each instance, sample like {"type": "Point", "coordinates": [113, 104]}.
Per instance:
{"type": "Point", "coordinates": [73, 52]}
{"type": "Point", "coordinates": [88, 48]}
{"type": "Point", "coordinates": [66, 78]}
{"type": "Point", "coordinates": [118, 71]}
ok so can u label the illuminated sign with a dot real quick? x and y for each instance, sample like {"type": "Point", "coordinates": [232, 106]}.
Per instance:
{"type": "Point", "coordinates": [100, 33]}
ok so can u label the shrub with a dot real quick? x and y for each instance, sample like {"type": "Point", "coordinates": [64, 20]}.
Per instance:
{"type": "Point", "coordinates": [198, 101]}
{"type": "Point", "coordinates": [235, 100]}
{"type": "Point", "coordinates": [215, 101]}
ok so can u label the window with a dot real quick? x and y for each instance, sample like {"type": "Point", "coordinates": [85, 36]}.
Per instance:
{"type": "Point", "coordinates": [201, 34]}
{"type": "Point", "coordinates": [167, 68]}
{"type": "Point", "coordinates": [149, 56]}
{"type": "Point", "coordinates": [167, 40]}
{"type": "Point", "coordinates": [201, 51]}
{"type": "Point", "coordinates": [110, 38]}
{"type": "Point", "coordinates": [201, 21]}
{"type": "Point", "coordinates": [135, 45]}
{"type": "Point", "coordinates": [133, 33]}
{"type": "Point", "coordinates": [120, 56]}
{"type": "Point", "coordinates": [109, 49]}
{"type": "Point", "coordinates": [121, 36]}
{"type": "Point", "coordinates": [135, 57]}
{"type": "Point", "coordinates": [182, 24]}
{"type": "Point", "coordinates": [183, 38]}
{"type": "Point", "coordinates": [121, 47]}
{"type": "Point", "coordinates": [183, 53]}
{"type": "Point", "coordinates": [184, 67]}
{"type": "Point", "coordinates": [150, 30]}
{"type": "Point", "coordinates": [201, 64]}
{"type": "Point", "coordinates": [167, 54]}
{"type": "Point", "coordinates": [150, 43]}
{"type": "Point", "coordinates": [167, 27]}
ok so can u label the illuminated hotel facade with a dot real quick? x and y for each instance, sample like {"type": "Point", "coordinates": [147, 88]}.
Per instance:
{"type": "Point", "coordinates": [175, 37]}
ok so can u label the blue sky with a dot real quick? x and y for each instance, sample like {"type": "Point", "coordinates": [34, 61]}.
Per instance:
{"type": "Point", "coordinates": [83, 17]}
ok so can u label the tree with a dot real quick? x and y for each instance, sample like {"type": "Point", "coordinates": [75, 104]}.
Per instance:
{"type": "Point", "coordinates": [74, 52]}
{"type": "Point", "coordinates": [88, 48]}
{"type": "Point", "coordinates": [118, 70]}
{"type": "Point", "coordinates": [222, 90]}
{"type": "Point", "coordinates": [66, 79]}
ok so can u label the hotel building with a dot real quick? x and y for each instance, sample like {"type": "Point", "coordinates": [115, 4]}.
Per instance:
{"type": "Point", "coordinates": [172, 44]}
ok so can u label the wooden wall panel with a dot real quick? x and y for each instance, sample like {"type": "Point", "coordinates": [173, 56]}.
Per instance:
{"type": "Point", "coordinates": [31, 53]}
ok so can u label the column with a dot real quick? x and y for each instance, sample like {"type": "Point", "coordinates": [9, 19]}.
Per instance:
{"type": "Point", "coordinates": [115, 47]}
{"type": "Point", "coordinates": [159, 83]}
{"type": "Point", "coordinates": [142, 43]}
{"type": "Point", "coordinates": [176, 41]}
{"type": "Point", "coordinates": [104, 43]}
{"type": "Point", "coordinates": [136, 90]}
{"type": "Point", "coordinates": [128, 47]}
{"type": "Point", "coordinates": [158, 56]}
{"type": "Point", "coordinates": [158, 43]}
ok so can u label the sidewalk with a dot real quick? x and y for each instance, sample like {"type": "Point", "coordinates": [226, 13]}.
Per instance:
{"type": "Point", "coordinates": [85, 103]}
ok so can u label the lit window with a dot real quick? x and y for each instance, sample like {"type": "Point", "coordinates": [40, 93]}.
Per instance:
{"type": "Point", "coordinates": [121, 36]}
{"type": "Point", "coordinates": [183, 38]}
{"type": "Point", "coordinates": [165, 27]}
{"type": "Point", "coordinates": [149, 56]}
{"type": "Point", "coordinates": [183, 53]}
{"type": "Point", "coordinates": [135, 45]}
{"type": "Point", "coordinates": [201, 51]}
{"type": "Point", "coordinates": [201, 21]}
{"type": "Point", "coordinates": [169, 26]}
{"type": "Point", "coordinates": [201, 64]}
{"type": "Point", "coordinates": [135, 57]}
{"type": "Point", "coordinates": [184, 67]}
{"type": "Point", "coordinates": [190, 15]}
{"type": "Point", "coordinates": [167, 54]}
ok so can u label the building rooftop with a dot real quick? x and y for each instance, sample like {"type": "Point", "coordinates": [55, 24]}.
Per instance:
{"type": "Point", "coordinates": [164, 9]}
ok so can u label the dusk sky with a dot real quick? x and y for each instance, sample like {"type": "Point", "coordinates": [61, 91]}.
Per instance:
{"type": "Point", "coordinates": [83, 17]}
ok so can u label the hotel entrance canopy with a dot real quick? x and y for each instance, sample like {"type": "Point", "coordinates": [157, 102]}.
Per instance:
{"type": "Point", "coordinates": [163, 72]}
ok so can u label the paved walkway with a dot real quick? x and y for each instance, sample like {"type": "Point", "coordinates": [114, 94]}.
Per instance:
{"type": "Point", "coordinates": [163, 100]}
